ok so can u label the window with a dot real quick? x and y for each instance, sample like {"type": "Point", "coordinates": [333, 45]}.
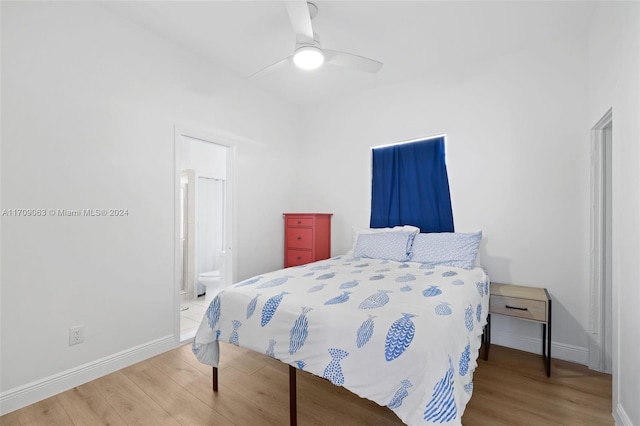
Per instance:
{"type": "Point", "coordinates": [410, 186]}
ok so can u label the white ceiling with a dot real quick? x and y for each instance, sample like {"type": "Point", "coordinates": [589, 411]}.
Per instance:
{"type": "Point", "coordinates": [409, 37]}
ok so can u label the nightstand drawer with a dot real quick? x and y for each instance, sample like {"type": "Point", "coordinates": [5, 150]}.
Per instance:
{"type": "Point", "coordinates": [516, 307]}
{"type": "Point", "coordinates": [300, 238]}
{"type": "Point", "coordinates": [298, 257]}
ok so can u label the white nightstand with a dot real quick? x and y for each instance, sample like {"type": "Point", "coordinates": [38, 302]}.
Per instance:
{"type": "Point", "coordinates": [527, 303]}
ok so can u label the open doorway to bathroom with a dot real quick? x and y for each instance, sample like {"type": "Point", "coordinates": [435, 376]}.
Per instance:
{"type": "Point", "coordinates": [204, 263]}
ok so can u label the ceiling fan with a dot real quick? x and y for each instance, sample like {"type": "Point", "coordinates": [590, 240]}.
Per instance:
{"type": "Point", "coordinates": [308, 54]}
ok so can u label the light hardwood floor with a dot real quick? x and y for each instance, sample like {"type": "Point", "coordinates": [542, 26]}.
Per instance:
{"type": "Point", "coordinates": [175, 389]}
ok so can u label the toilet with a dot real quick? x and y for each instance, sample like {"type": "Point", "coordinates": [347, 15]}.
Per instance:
{"type": "Point", "coordinates": [211, 281]}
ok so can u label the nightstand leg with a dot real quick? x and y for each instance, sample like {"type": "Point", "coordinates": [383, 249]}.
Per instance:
{"type": "Point", "coordinates": [549, 343]}
{"type": "Point", "coordinates": [487, 337]}
{"type": "Point", "coordinates": [544, 340]}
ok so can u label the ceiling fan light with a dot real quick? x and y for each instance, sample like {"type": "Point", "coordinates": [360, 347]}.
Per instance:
{"type": "Point", "coordinates": [308, 57]}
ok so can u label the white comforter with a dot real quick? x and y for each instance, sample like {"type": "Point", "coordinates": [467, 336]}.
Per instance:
{"type": "Point", "coordinates": [401, 334]}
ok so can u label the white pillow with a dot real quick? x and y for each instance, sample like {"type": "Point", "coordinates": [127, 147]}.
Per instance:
{"type": "Point", "coordinates": [447, 248]}
{"type": "Point", "coordinates": [357, 231]}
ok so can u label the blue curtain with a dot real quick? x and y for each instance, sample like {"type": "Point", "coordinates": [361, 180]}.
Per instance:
{"type": "Point", "coordinates": [410, 187]}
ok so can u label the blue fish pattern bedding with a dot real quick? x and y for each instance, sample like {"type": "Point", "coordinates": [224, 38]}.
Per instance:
{"type": "Point", "coordinates": [402, 334]}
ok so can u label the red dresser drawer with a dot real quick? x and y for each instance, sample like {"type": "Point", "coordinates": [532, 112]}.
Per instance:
{"type": "Point", "coordinates": [300, 238]}
{"type": "Point", "coordinates": [298, 257]}
{"type": "Point", "coordinates": [299, 221]}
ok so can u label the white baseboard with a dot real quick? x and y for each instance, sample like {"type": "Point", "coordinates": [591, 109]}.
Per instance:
{"type": "Point", "coordinates": [38, 390]}
{"type": "Point", "coordinates": [620, 417]}
{"type": "Point", "coordinates": [562, 351]}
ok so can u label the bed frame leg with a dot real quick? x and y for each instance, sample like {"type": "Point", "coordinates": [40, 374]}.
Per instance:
{"type": "Point", "coordinates": [293, 415]}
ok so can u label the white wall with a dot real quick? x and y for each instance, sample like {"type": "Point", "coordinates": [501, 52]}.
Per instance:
{"type": "Point", "coordinates": [614, 65]}
{"type": "Point", "coordinates": [89, 108]}
{"type": "Point", "coordinates": [518, 163]}
{"type": "Point", "coordinates": [209, 159]}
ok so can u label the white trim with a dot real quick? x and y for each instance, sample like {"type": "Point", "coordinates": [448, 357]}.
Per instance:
{"type": "Point", "coordinates": [231, 230]}
{"type": "Point", "coordinates": [565, 352]}
{"type": "Point", "coordinates": [620, 416]}
{"type": "Point", "coordinates": [177, 249]}
{"type": "Point", "coordinates": [596, 357]}
{"type": "Point", "coordinates": [16, 398]}
{"type": "Point", "coordinates": [214, 136]}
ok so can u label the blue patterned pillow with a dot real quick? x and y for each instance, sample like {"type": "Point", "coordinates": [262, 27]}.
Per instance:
{"type": "Point", "coordinates": [385, 245]}
{"type": "Point", "coordinates": [357, 231]}
{"type": "Point", "coordinates": [446, 248]}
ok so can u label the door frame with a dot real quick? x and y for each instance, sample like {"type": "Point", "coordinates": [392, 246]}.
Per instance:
{"type": "Point", "coordinates": [597, 253]}
{"type": "Point", "coordinates": [230, 231]}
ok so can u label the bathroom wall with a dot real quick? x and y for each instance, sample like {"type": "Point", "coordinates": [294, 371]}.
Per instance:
{"type": "Point", "coordinates": [207, 157]}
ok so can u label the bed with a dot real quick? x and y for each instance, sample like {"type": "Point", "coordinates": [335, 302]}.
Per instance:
{"type": "Point", "coordinates": [417, 325]}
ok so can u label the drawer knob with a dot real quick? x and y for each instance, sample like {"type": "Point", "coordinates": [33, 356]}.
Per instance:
{"type": "Point", "coordinates": [516, 307]}
{"type": "Point", "coordinates": [299, 222]}
{"type": "Point", "coordinates": [299, 257]}
{"type": "Point", "coordinates": [299, 238]}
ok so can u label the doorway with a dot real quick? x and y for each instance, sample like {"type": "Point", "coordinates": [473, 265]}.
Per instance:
{"type": "Point", "coordinates": [204, 264]}
{"type": "Point", "coordinates": [601, 271]}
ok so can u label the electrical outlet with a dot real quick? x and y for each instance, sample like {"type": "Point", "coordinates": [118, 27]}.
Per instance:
{"type": "Point", "coordinates": [76, 335]}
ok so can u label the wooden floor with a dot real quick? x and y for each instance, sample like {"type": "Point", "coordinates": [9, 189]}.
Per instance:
{"type": "Point", "coordinates": [175, 389]}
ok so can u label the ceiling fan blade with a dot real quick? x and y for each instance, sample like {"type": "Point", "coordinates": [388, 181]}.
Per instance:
{"type": "Point", "coordinates": [348, 60]}
{"type": "Point", "coordinates": [271, 68]}
{"type": "Point", "coordinates": [300, 18]}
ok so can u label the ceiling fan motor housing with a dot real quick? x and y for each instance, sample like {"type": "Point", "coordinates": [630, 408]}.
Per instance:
{"type": "Point", "coordinates": [308, 53]}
